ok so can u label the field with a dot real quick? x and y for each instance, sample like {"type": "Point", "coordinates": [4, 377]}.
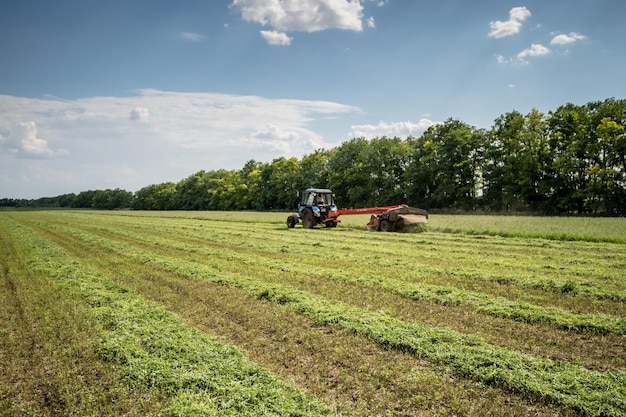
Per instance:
{"type": "Point", "coordinates": [228, 314]}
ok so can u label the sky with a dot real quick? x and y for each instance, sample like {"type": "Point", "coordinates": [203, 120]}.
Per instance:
{"type": "Point", "coordinates": [105, 94]}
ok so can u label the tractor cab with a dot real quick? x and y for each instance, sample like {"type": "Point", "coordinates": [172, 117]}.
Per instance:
{"type": "Point", "coordinates": [317, 197]}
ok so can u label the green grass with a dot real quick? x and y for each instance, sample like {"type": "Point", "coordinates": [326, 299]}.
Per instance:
{"type": "Point", "coordinates": [48, 354]}
{"type": "Point", "coordinates": [497, 306]}
{"type": "Point", "coordinates": [443, 299]}
{"type": "Point", "coordinates": [590, 229]}
{"type": "Point", "coordinates": [585, 391]}
{"type": "Point", "coordinates": [155, 351]}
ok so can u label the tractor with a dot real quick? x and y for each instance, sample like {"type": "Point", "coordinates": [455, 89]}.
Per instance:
{"type": "Point", "coordinates": [317, 206]}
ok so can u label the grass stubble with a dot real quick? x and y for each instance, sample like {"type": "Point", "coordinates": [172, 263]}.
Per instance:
{"type": "Point", "coordinates": [593, 350]}
{"type": "Point", "coordinates": [349, 372]}
{"type": "Point", "coordinates": [49, 361]}
{"type": "Point", "coordinates": [152, 351]}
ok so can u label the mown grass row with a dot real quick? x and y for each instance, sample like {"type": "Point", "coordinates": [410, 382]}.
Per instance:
{"type": "Point", "coordinates": [496, 306]}
{"type": "Point", "coordinates": [599, 352]}
{"type": "Point", "coordinates": [579, 229]}
{"type": "Point", "coordinates": [562, 271]}
{"type": "Point", "coordinates": [155, 352]}
{"type": "Point", "coordinates": [553, 270]}
{"type": "Point", "coordinates": [355, 375]}
{"type": "Point", "coordinates": [50, 365]}
{"type": "Point", "coordinates": [590, 392]}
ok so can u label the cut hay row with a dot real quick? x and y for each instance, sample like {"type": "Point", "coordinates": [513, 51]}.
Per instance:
{"type": "Point", "coordinates": [357, 283]}
{"type": "Point", "coordinates": [274, 262]}
{"type": "Point", "coordinates": [154, 350]}
{"type": "Point", "coordinates": [573, 386]}
{"type": "Point", "coordinates": [497, 306]}
{"type": "Point", "coordinates": [578, 229]}
{"type": "Point", "coordinates": [563, 268]}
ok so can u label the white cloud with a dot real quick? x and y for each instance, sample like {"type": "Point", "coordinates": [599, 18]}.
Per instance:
{"type": "Point", "coordinates": [534, 50]}
{"type": "Point", "coordinates": [501, 59]}
{"type": "Point", "coordinates": [181, 133]}
{"type": "Point", "coordinates": [521, 57]}
{"type": "Point", "coordinates": [301, 15]}
{"type": "Point", "coordinates": [24, 142]}
{"type": "Point", "coordinates": [139, 113]}
{"type": "Point", "coordinates": [276, 38]}
{"type": "Point", "coordinates": [396, 129]}
{"type": "Point", "coordinates": [193, 37]}
{"type": "Point", "coordinates": [564, 39]}
{"type": "Point", "coordinates": [371, 23]}
{"type": "Point", "coordinates": [510, 27]}
{"type": "Point", "coordinates": [264, 139]}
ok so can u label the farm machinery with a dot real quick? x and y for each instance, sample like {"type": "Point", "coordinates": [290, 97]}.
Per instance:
{"type": "Point", "coordinates": [317, 206]}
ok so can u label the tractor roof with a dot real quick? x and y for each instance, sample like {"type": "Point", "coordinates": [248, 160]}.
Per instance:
{"type": "Point", "coordinates": [318, 190]}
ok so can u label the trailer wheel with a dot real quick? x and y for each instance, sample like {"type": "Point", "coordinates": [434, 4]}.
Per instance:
{"type": "Point", "coordinates": [385, 225]}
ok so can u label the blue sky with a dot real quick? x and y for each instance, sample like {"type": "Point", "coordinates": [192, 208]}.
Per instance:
{"type": "Point", "coordinates": [99, 94]}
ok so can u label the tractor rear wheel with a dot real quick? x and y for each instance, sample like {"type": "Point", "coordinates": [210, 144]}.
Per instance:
{"type": "Point", "coordinates": [307, 219]}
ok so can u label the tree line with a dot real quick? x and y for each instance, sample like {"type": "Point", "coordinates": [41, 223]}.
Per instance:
{"type": "Point", "coordinates": [569, 161]}
{"type": "Point", "coordinates": [93, 199]}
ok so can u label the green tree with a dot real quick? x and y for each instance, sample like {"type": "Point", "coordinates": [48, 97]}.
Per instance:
{"type": "Point", "coordinates": [111, 199]}
{"type": "Point", "coordinates": [517, 160]}
{"type": "Point", "coordinates": [155, 197]}
{"type": "Point", "coordinates": [222, 189]}
{"type": "Point", "coordinates": [277, 189]}
{"type": "Point", "coordinates": [446, 166]}
{"type": "Point", "coordinates": [388, 159]}
{"type": "Point", "coordinates": [569, 138]}
{"type": "Point", "coordinates": [248, 191]}
{"type": "Point", "coordinates": [350, 174]}
{"type": "Point", "coordinates": [314, 170]}
{"type": "Point", "coordinates": [83, 199]}
{"type": "Point", "coordinates": [607, 187]}
{"type": "Point", "coordinates": [192, 192]}
{"type": "Point", "coordinates": [587, 143]}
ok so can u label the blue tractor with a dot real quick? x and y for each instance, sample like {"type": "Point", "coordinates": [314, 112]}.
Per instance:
{"type": "Point", "coordinates": [317, 206]}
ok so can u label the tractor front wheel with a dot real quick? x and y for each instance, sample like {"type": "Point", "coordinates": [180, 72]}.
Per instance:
{"type": "Point", "coordinates": [291, 221]}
